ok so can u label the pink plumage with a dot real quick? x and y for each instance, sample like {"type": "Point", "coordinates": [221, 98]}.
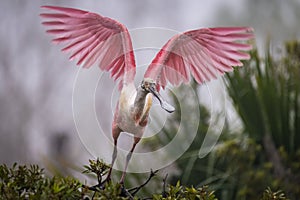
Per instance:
{"type": "Point", "coordinates": [202, 53]}
{"type": "Point", "coordinates": [91, 39]}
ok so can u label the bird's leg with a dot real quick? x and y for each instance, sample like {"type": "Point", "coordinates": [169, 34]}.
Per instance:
{"type": "Point", "coordinates": [136, 140]}
{"type": "Point", "coordinates": [115, 133]}
{"type": "Point", "coordinates": [114, 156]}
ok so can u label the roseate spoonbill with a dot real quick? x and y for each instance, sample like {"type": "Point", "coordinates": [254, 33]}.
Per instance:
{"type": "Point", "coordinates": [93, 39]}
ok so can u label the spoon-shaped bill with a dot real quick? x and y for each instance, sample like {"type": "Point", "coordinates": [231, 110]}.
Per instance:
{"type": "Point", "coordinates": [165, 105]}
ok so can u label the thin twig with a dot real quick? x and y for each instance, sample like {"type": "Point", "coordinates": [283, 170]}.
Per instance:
{"type": "Point", "coordinates": [95, 188]}
{"type": "Point", "coordinates": [94, 195]}
{"type": "Point", "coordinates": [126, 193]}
{"type": "Point", "coordinates": [136, 189]}
{"type": "Point", "coordinates": [99, 177]}
{"type": "Point", "coordinates": [164, 193]}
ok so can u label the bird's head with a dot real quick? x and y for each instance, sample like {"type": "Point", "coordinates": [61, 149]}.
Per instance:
{"type": "Point", "coordinates": [149, 85]}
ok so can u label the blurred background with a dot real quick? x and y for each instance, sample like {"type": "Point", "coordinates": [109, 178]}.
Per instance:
{"type": "Point", "coordinates": [36, 84]}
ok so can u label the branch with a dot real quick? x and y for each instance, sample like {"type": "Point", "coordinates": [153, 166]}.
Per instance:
{"type": "Point", "coordinates": [164, 193]}
{"type": "Point", "coordinates": [130, 193]}
{"type": "Point", "coordinates": [136, 189]}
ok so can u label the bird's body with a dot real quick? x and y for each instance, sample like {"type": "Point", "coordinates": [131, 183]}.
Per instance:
{"type": "Point", "coordinates": [201, 54]}
{"type": "Point", "coordinates": [132, 110]}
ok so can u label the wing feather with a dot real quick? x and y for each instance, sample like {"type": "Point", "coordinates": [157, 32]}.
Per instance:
{"type": "Point", "coordinates": [92, 39]}
{"type": "Point", "coordinates": [203, 54]}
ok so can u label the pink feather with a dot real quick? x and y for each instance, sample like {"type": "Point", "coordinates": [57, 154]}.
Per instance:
{"type": "Point", "coordinates": [91, 39]}
{"type": "Point", "coordinates": [203, 54]}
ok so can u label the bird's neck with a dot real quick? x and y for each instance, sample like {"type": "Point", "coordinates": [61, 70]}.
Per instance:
{"type": "Point", "coordinates": [141, 100]}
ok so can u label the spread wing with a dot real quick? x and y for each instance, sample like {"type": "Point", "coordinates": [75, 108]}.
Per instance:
{"type": "Point", "coordinates": [92, 38]}
{"type": "Point", "coordinates": [202, 54]}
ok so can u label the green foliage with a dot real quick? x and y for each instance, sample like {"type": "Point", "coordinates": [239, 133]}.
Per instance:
{"type": "Point", "coordinates": [22, 182]}
{"type": "Point", "coordinates": [98, 168]}
{"type": "Point", "coordinates": [266, 93]}
{"type": "Point", "coordinates": [181, 192]}
{"type": "Point", "coordinates": [270, 195]}
{"type": "Point", "coordinates": [111, 191]}
{"type": "Point", "coordinates": [244, 170]}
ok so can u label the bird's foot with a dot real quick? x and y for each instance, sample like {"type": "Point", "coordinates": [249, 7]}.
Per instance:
{"type": "Point", "coordinates": [125, 192]}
